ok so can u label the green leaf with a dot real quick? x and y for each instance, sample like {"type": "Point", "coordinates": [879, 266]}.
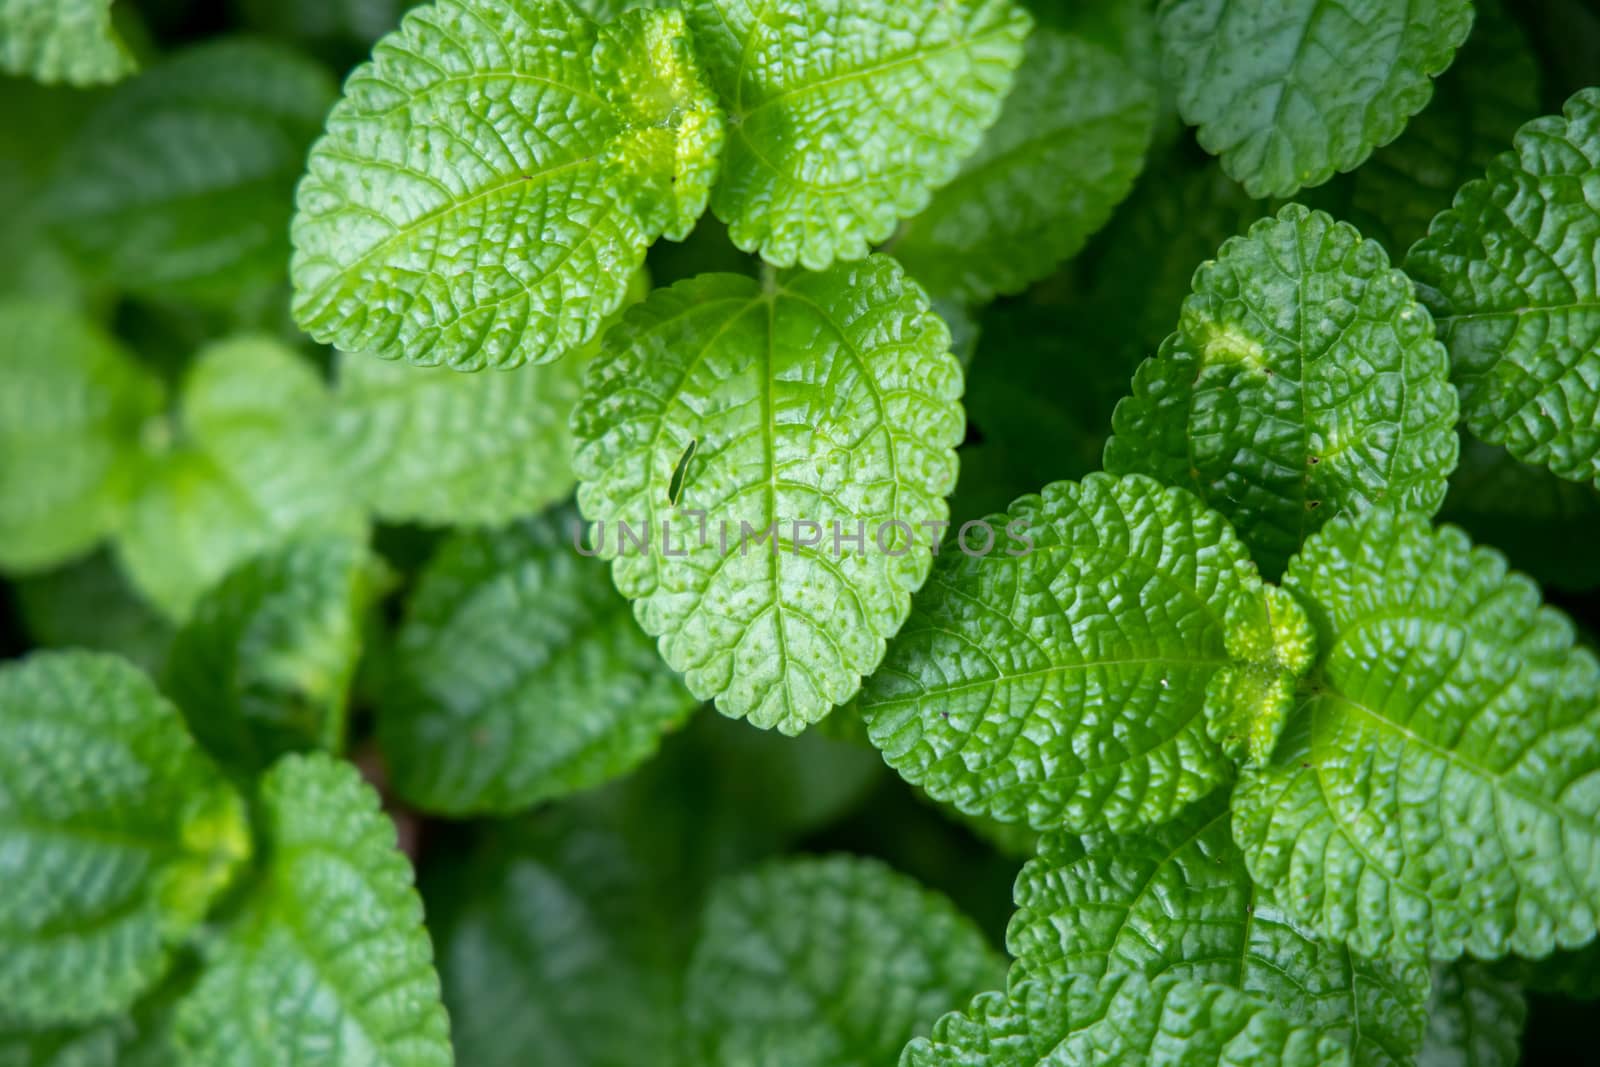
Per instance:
{"type": "Point", "coordinates": [826, 398]}
{"type": "Point", "coordinates": [116, 836]}
{"type": "Point", "coordinates": [520, 675]}
{"type": "Point", "coordinates": [1490, 90]}
{"type": "Point", "coordinates": [90, 605]}
{"type": "Point", "coordinates": [1435, 792]}
{"type": "Point", "coordinates": [1062, 679]}
{"type": "Point", "coordinates": [1304, 381]}
{"type": "Point", "coordinates": [1542, 523]}
{"type": "Point", "coordinates": [70, 41]}
{"type": "Point", "coordinates": [1475, 1019]}
{"type": "Point", "coordinates": [1179, 901]}
{"type": "Point", "coordinates": [74, 406]}
{"type": "Point", "coordinates": [490, 181]}
{"type": "Point", "coordinates": [1287, 93]}
{"type": "Point", "coordinates": [178, 184]}
{"type": "Point", "coordinates": [329, 965]}
{"type": "Point", "coordinates": [253, 466]}
{"type": "Point", "coordinates": [1066, 149]}
{"type": "Point", "coordinates": [843, 118]}
{"type": "Point", "coordinates": [827, 962]}
{"type": "Point", "coordinates": [264, 663]}
{"type": "Point", "coordinates": [141, 1037]}
{"type": "Point", "coordinates": [1122, 1019]}
{"type": "Point", "coordinates": [1273, 645]}
{"type": "Point", "coordinates": [429, 445]}
{"type": "Point", "coordinates": [561, 944]}
{"type": "Point", "coordinates": [1507, 274]}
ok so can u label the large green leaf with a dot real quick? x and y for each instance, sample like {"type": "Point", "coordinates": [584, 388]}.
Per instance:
{"type": "Point", "coordinates": [70, 41]}
{"type": "Point", "coordinates": [329, 965]}
{"type": "Point", "coordinates": [829, 399]}
{"type": "Point", "coordinates": [1490, 90]}
{"type": "Point", "coordinates": [1062, 679]}
{"type": "Point", "coordinates": [1475, 1019]}
{"type": "Point", "coordinates": [1289, 91]}
{"type": "Point", "coordinates": [179, 184]}
{"type": "Point", "coordinates": [844, 117]}
{"type": "Point", "coordinates": [835, 961]}
{"type": "Point", "coordinates": [490, 181]}
{"type": "Point", "coordinates": [1304, 381]}
{"type": "Point", "coordinates": [253, 465]}
{"type": "Point", "coordinates": [1123, 1018]}
{"type": "Point", "coordinates": [116, 836]}
{"type": "Point", "coordinates": [520, 675]}
{"type": "Point", "coordinates": [72, 412]}
{"type": "Point", "coordinates": [426, 444]}
{"type": "Point", "coordinates": [264, 663]}
{"type": "Point", "coordinates": [1510, 276]}
{"type": "Point", "coordinates": [1065, 151]}
{"type": "Point", "coordinates": [1436, 791]}
{"type": "Point", "coordinates": [1179, 901]}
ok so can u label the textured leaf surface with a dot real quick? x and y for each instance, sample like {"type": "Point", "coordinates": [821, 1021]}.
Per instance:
{"type": "Point", "coordinates": [490, 181]}
{"type": "Point", "coordinates": [827, 962]}
{"type": "Point", "coordinates": [1065, 150]}
{"type": "Point", "coordinates": [179, 184]}
{"type": "Point", "coordinates": [330, 965]}
{"type": "Point", "coordinates": [116, 836]}
{"type": "Point", "coordinates": [828, 398]}
{"type": "Point", "coordinates": [433, 446]}
{"type": "Point", "coordinates": [1287, 93]}
{"type": "Point", "coordinates": [1066, 686]}
{"type": "Point", "coordinates": [842, 118]}
{"type": "Point", "coordinates": [264, 663]}
{"type": "Point", "coordinates": [69, 41]}
{"type": "Point", "coordinates": [71, 414]}
{"type": "Point", "coordinates": [1121, 1019]}
{"type": "Point", "coordinates": [521, 675]}
{"type": "Point", "coordinates": [561, 945]}
{"type": "Point", "coordinates": [1475, 1020]}
{"type": "Point", "coordinates": [1491, 89]}
{"type": "Point", "coordinates": [1438, 789]}
{"type": "Point", "coordinates": [252, 467]}
{"type": "Point", "coordinates": [1509, 274]}
{"type": "Point", "coordinates": [1179, 901]}
{"type": "Point", "coordinates": [1304, 381]}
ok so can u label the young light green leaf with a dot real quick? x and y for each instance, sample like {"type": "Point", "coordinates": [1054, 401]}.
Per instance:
{"type": "Point", "coordinates": [429, 445]}
{"type": "Point", "coordinates": [520, 675]}
{"type": "Point", "coordinates": [1304, 381]}
{"type": "Point", "coordinates": [1508, 274]}
{"type": "Point", "coordinates": [70, 41]}
{"type": "Point", "coordinates": [843, 118]}
{"type": "Point", "coordinates": [1123, 1018]}
{"type": "Point", "coordinates": [1065, 150]}
{"type": "Point", "coordinates": [1491, 89]}
{"type": "Point", "coordinates": [827, 962]}
{"type": "Point", "coordinates": [74, 406]}
{"type": "Point", "coordinates": [1435, 792]}
{"type": "Point", "coordinates": [1179, 901]}
{"type": "Point", "coordinates": [1062, 679]}
{"type": "Point", "coordinates": [253, 466]}
{"type": "Point", "coordinates": [179, 184]}
{"type": "Point", "coordinates": [329, 965]}
{"type": "Point", "coordinates": [1273, 645]}
{"type": "Point", "coordinates": [263, 665]}
{"type": "Point", "coordinates": [1475, 1019]}
{"type": "Point", "coordinates": [1288, 93]}
{"type": "Point", "coordinates": [826, 399]}
{"type": "Point", "coordinates": [490, 181]}
{"type": "Point", "coordinates": [116, 836]}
